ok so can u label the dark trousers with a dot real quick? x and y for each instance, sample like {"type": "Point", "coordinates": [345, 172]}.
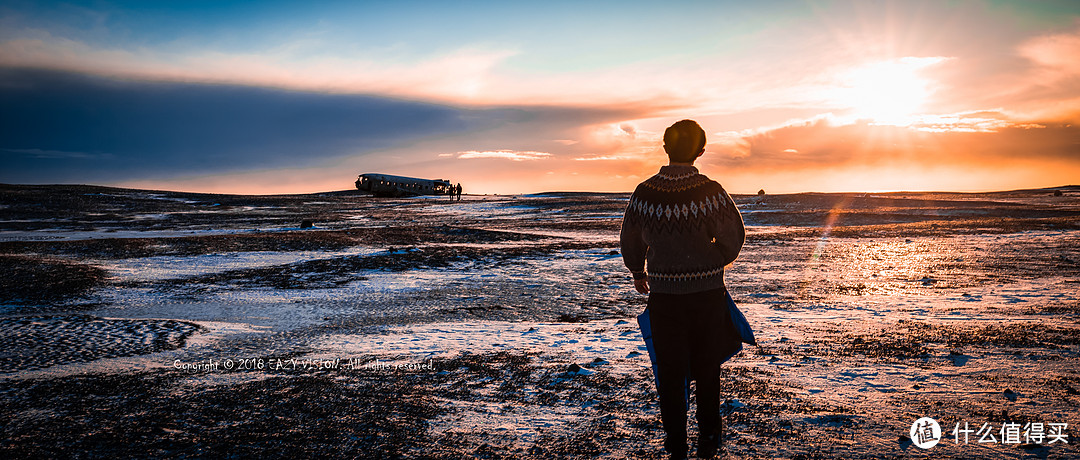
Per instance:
{"type": "Point", "coordinates": [690, 333]}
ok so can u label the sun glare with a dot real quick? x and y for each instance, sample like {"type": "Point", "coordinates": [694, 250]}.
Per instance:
{"type": "Point", "coordinates": [890, 92]}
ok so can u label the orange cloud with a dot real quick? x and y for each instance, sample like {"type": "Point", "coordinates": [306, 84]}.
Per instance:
{"type": "Point", "coordinates": [972, 151]}
{"type": "Point", "coordinates": [938, 140]}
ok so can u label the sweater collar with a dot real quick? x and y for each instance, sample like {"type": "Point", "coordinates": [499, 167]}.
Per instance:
{"type": "Point", "coordinates": [677, 171]}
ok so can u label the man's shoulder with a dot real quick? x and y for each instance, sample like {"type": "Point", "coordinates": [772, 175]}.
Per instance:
{"type": "Point", "coordinates": [661, 183]}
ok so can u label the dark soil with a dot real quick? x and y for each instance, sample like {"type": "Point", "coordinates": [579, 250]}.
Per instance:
{"type": "Point", "coordinates": [30, 280]}
{"type": "Point", "coordinates": [354, 413]}
{"type": "Point", "coordinates": [911, 339]}
{"type": "Point", "coordinates": [147, 415]}
{"type": "Point", "coordinates": [341, 270]}
{"type": "Point", "coordinates": [306, 240]}
{"type": "Point", "coordinates": [36, 342]}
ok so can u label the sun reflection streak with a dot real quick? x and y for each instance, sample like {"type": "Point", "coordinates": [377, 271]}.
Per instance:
{"type": "Point", "coordinates": [826, 229]}
{"type": "Point", "coordinates": [827, 226]}
{"type": "Point", "coordinates": [814, 263]}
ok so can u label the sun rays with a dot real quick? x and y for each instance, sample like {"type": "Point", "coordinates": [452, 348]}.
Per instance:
{"type": "Point", "coordinates": [888, 92]}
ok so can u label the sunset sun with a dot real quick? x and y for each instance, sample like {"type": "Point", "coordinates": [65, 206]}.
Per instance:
{"type": "Point", "coordinates": [888, 92]}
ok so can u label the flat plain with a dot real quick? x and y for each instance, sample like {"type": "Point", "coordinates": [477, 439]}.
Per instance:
{"type": "Point", "coordinates": [139, 323]}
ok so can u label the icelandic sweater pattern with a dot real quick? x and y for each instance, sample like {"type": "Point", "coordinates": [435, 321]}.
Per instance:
{"type": "Point", "coordinates": [685, 227]}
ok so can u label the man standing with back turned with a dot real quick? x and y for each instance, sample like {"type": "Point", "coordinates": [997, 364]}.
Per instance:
{"type": "Point", "coordinates": [687, 229]}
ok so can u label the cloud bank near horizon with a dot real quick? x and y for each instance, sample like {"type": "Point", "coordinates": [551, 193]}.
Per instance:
{"type": "Point", "coordinates": [71, 127]}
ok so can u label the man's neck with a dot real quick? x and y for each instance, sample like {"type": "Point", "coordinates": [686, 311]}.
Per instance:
{"type": "Point", "coordinates": [675, 163]}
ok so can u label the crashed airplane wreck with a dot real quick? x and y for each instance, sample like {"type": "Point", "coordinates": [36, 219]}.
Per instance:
{"type": "Point", "coordinates": [385, 185]}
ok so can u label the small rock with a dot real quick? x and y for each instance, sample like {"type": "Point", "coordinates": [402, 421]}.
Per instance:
{"type": "Point", "coordinates": [958, 359]}
{"type": "Point", "coordinates": [1010, 395]}
{"type": "Point", "coordinates": [734, 403]}
{"type": "Point", "coordinates": [307, 224]}
{"type": "Point", "coordinates": [571, 318]}
{"type": "Point", "coordinates": [574, 369]}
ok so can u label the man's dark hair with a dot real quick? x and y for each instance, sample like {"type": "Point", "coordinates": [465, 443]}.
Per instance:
{"type": "Point", "coordinates": [683, 141]}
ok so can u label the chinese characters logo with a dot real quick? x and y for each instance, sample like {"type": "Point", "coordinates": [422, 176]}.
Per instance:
{"type": "Point", "coordinates": [925, 433]}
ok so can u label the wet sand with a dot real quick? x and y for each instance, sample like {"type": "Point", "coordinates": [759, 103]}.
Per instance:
{"type": "Point", "coordinates": [161, 324]}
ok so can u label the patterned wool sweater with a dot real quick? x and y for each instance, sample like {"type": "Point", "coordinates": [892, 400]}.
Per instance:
{"type": "Point", "coordinates": [685, 226]}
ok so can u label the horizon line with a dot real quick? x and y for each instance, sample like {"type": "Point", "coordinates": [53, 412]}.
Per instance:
{"type": "Point", "coordinates": [1050, 188]}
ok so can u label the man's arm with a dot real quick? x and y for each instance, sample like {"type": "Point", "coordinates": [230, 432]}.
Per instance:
{"type": "Point", "coordinates": [729, 230]}
{"type": "Point", "coordinates": [633, 248]}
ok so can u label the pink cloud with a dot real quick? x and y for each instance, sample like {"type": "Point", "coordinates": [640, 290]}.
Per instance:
{"type": "Point", "coordinates": [512, 155]}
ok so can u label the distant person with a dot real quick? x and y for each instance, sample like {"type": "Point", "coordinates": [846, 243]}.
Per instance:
{"type": "Point", "coordinates": [679, 232]}
{"type": "Point", "coordinates": [458, 191]}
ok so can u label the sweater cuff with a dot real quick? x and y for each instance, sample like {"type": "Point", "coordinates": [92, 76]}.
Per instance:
{"type": "Point", "coordinates": [639, 275]}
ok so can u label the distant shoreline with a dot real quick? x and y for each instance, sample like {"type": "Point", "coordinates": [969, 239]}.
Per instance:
{"type": "Point", "coordinates": [4, 187]}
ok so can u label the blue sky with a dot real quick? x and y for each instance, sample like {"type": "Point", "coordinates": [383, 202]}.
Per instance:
{"type": "Point", "coordinates": [520, 97]}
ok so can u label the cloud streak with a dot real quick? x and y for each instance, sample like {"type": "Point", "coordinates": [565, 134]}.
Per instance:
{"type": "Point", "coordinates": [458, 76]}
{"type": "Point", "coordinates": [512, 155]}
